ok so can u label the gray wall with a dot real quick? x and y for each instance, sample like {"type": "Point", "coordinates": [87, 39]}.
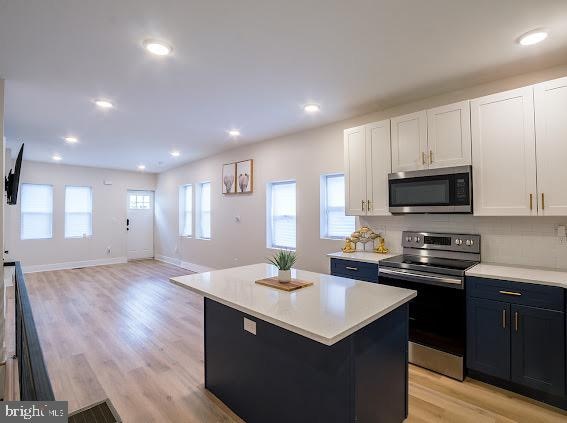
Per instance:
{"type": "Point", "coordinates": [304, 157]}
{"type": "Point", "coordinates": [109, 215]}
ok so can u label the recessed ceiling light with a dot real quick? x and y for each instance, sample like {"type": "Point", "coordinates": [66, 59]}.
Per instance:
{"type": "Point", "coordinates": [533, 37]}
{"type": "Point", "coordinates": [234, 133]}
{"type": "Point", "coordinates": [159, 48]}
{"type": "Point", "coordinates": [71, 140]}
{"type": "Point", "coordinates": [175, 153]}
{"type": "Point", "coordinates": [141, 167]}
{"type": "Point", "coordinates": [57, 157]}
{"type": "Point", "coordinates": [104, 104]}
{"type": "Point", "coordinates": [312, 108]}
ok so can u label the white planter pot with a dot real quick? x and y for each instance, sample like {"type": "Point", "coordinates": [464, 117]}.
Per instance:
{"type": "Point", "coordinates": [284, 276]}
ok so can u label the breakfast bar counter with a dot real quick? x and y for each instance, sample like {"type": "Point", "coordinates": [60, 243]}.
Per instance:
{"type": "Point", "coordinates": [335, 351]}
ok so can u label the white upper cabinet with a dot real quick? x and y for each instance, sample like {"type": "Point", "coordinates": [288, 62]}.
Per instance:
{"type": "Point", "coordinates": [409, 142]}
{"type": "Point", "coordinates": [551, 136]}
{"type": "Point", "coordinates": [378, 152]}
{"type": "Point", "coordinates": [438, 137]}
{"type": "Point", "coordinates": [449, 135]}
{"type": "Point", "coordinates": [367, 164]}
{"type": "Point", "coordinates": [503, 154]}
{"type": "Point", "coordinates": [355, 171]}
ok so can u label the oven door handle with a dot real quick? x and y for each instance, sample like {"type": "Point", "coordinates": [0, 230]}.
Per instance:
{"type": "Point", "coordinates": [422, 278]}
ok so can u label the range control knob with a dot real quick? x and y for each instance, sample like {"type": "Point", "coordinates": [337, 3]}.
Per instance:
{"type": "Point", "coordinates": [415, 239]}
{"type": "Point", "coordinates": [408, 238]}
{"type": "Point", "coordinates": [458, 241]}
{"type": "Point", "coordinates": [469, 242]}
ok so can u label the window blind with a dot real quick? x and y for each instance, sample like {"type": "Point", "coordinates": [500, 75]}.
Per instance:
{"type": "Point", "coordinates": [282, 215]}
{"type": "Point", "coordinates": [205, 210]}
{"type": "Point", "coordinates": [36, 211]}
{"type": "Point", "coordinates": [337, 224]}
{"type": "Point", "coordinates": [78, 212]}
{"type": "Point", "coordinates": [187, 210]}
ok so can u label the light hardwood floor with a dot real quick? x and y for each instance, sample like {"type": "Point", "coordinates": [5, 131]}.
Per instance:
{"type": "Point", "coordinates": [125, 332]}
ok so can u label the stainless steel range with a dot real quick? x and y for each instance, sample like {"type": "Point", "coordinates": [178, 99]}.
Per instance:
{"type": "Point", "coordinates": [434, 265]}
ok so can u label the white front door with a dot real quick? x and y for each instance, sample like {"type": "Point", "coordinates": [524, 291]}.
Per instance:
{"type": "Point", "coordinates": [140, 224]}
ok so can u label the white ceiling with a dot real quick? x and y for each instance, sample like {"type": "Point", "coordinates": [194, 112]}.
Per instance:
{"type": "Point", "coordinates": [247, 64]}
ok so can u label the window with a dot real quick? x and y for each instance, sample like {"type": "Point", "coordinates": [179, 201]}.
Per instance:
{"type": "Point", "coordinates": [281, 215]}
{"type": "Point", "coordinates": [139, 201]}
{"type": "Point", "coordinates": [186, 210]}
{"type": "Point", "coordinates": [204, 210]}
{"type": "Point", "coordinates": [36, 211]}
{"type": "Point", "coordinates": [78, 212]}
{"type": "Point", "coordinates": [334, 223]}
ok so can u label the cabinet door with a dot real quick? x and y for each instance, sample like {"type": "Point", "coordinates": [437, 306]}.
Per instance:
{"type": "Point", "coordinates": [449, 135]}
{"type": "Point", "coordinates": [378, 166]}
{"type": "Point", "coordinates": [551, 136]}
{"type": "Point", "coordinates": [488, 337]}
{"type": "Point", "coordinates": [355, 171]}
{"type": "Point", "coordinates": [538, 348]}
{"type": "Point", "coordinates": [503, 154]}
{"type": "Point", "coordinates": [409, 142]}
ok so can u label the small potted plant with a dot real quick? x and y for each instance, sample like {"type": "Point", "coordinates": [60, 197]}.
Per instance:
{"type": "Point", "coordinates": [284, 261]}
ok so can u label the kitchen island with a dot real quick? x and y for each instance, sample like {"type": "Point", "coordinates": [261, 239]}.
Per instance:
{"type": "Point", "coordinates": [336, 351]}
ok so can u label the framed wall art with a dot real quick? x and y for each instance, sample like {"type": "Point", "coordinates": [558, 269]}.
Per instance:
{"type": "Point", "coordinates": [229, 178]}
{"type": "Point", "coordinates": [245, 176]}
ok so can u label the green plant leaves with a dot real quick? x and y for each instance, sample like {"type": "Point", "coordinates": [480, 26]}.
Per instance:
{"type": "Point", "coordinates": [283, 259]}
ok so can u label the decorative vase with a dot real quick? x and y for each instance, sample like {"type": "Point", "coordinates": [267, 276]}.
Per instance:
{"type": "Point", "coordinates": [284, 276]}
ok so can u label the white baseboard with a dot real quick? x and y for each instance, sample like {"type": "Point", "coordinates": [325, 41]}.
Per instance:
{"type": "Point", "coordinates": [72, 264]}
{"type": "Point", "coordinates": [197, 268]}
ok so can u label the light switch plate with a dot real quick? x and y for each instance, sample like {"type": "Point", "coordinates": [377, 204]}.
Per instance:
{"type": "Point", "coordinates": [250, 326]}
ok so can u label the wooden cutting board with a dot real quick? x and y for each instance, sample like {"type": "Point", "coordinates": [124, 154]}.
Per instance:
{"type": "Point", "coordinates": [289, 286]}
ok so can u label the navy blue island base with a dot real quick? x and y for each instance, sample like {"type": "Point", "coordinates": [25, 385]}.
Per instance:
{"type": "Point", "coordinates": [278, 376]}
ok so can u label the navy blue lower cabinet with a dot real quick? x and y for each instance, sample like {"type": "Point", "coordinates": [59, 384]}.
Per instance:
{"type": "Point", "coordinates": [538, 349]}
{"type": "Point", "coordinates": [516, 337]}
{"type": "Point", "coordinates": [488, 337]}
{"type": "Point", "coordinates": [358, 270]}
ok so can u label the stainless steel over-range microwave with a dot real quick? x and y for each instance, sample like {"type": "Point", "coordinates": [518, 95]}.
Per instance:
{"type": "Point", "coordinates": [443, 190]}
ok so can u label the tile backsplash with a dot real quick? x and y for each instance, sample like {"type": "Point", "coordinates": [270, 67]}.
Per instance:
{"type": "Point", "coordinates": [529, 241]}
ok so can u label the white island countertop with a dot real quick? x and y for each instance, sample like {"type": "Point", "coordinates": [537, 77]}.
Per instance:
{"type": "Point", "coordinates": [364, 256]}
{"type": "Point", "coordinates": [516, 273]}
{"type": "Point", "coordinates": [328, 311]}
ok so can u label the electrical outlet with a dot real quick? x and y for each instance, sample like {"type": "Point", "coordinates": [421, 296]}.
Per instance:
{"type": "Point", "coordinates": [249, 326]}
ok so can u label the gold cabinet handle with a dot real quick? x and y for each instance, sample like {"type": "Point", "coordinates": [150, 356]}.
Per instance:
{"type": "Point", "coordinates": [430, 156]}
{"type": "Point", "coordinates": [531, 201]}
{"type": "Point", "coordinates": [352, 268]}
{"type": "Point", "coordinates": [362, 202]}
{"type": "Point", "coordinates": [516, 294]}
{"type": "Point", "coordinates": [368, 203]}
{"type": "Point", "coordinates": [542, 201]}
{"type": "Point", "coordinates": [504, 318]}
{"type": "Point", "coordinates": [516, 320]}
{"type": "Point", "coordinates": [423, 158]}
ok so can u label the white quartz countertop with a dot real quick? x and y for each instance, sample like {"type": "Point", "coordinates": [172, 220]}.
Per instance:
{"type": "Point", "coordinates": [328, 311]}
{"type": "Point", "coordinates": [540, 276]}
{"type": "Point", "coordinates": [365, 256]}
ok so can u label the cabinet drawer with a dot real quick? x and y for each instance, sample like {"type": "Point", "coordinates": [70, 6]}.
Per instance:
{"type": "Point", "coordinates": [354, 270]}
{"type": "Point", "coordinates": [550, 297]}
